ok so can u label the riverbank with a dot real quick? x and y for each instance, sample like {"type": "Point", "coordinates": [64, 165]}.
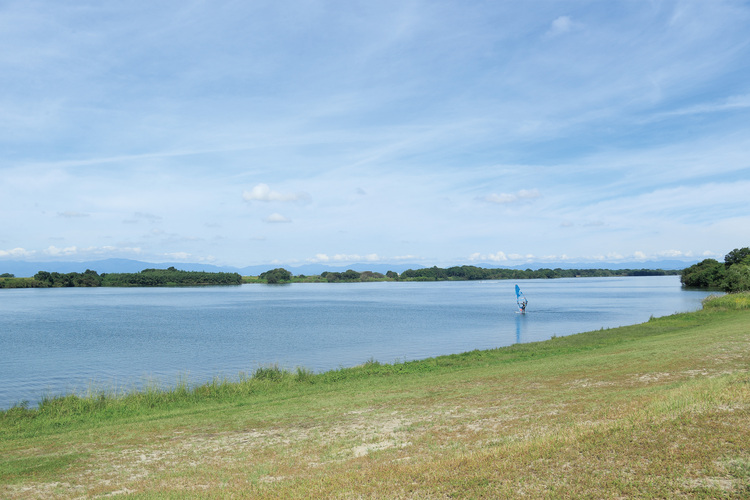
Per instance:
{"type": "Point", "coordinates": [659, 409]}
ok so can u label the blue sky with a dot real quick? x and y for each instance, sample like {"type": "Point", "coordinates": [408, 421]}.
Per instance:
{"type": "Point", "coordinates": [435, 132]}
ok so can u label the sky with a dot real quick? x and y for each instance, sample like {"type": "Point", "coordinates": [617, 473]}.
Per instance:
{"type": "Point", "coordinates": [436, 132]}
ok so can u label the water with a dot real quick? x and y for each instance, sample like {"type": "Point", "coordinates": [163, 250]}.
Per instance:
{"type": "Point", "coordinates": [56, 341]}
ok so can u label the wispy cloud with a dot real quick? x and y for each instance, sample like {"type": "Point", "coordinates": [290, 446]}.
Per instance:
{"type": "Point", "coordinates": [178, 255]}
{"type": "Point", "coordinates": [343, 258]}
{"type": "Point", "coordinates": [71, 214]}
{"type": "Point", "coordinates": [276, 218]}
{"type": "Point", "coordinates": [262, 192]}
{"type": "Point", "coordinates": [731, 103]}
{"type": "Point", "coordinates": [561, 26]}
{"type": "Point", "coordinates": [506, 198]}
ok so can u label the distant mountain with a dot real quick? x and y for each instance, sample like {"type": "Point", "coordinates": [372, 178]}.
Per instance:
{"type": "Point", "coordinates": [23, 269]}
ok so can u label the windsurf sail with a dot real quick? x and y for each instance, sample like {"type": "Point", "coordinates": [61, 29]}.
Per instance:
{"type": "Point", "coordinates": [521, 300]}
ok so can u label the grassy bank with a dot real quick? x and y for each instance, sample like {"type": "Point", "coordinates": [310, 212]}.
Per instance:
{"type": "Point", "coordinates": [660, 409]}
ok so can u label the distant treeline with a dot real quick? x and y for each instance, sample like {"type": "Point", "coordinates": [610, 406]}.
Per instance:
{"type": "Point", "coordinates": [147, 277]}
{"type": "Point", "coordinates": [174, 277]}
{"type": "Point", "coordinates": [479, 273]}
{"type": "Point", "coordinates": [457, 273]}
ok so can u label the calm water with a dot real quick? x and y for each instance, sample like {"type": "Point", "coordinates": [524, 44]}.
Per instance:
{"type": "Point", "coordinates": [66, 340]}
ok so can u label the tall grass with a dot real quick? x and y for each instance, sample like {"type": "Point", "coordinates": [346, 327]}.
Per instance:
{"type": "Point", "coordinates": [730, 301]}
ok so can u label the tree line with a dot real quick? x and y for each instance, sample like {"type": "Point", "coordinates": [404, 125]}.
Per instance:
{"type": "Point", "coordinates": [731, 276]}
{"type": "Point", "coordinates": [456, 273]}
{"type": "Point", "coordinates": [479, 273]}
{"type": "Point", "coordinates": [147, 277]}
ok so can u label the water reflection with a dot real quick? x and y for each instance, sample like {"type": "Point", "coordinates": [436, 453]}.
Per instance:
{"type": "Point", "coordinates": [520, 318]}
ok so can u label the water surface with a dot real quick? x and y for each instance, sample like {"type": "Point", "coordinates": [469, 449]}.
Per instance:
{"type": "Point", "coordinates": [68, 339]}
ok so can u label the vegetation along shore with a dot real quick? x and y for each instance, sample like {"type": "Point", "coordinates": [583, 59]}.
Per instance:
{"type": "Point", "coordinates": [656, 410]}
{"type": "Point", "coordinates": [175, 277]}
{"type": "Point", "coordinates": [145, 278]}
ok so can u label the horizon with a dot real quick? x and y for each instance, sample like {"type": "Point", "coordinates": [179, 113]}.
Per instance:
{"type": "Point", "coordinates": [430, 133]}
{"type": "Point", "coordinates": [116, 265]}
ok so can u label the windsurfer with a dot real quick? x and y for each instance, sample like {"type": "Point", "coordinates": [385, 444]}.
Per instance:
{"type": "Point", "coordinates": [521, 300]}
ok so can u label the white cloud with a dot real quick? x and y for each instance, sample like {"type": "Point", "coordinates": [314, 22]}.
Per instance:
{"type": "Point", "coordinates": [54, 251]}
{"type": "Point", "coordinates": [277, 218]}
{"type": "Point", "coordinates": [501, 198]}
{"type": "Point", "coordinates": [263, 192]}
{"type": "Point", "coordinates": [505, 198]}
{"type": "Point", "coordinates": [675, 253]}
{"type": "Point", "coordinates": [493, 257]}
{"type": "Point", "coordinates": [560, 26]}
{"type": "Point", "coordinates": [518, 256]}
{"type": "Point", "coordinates": [114, 250]}
{"type": "Point", "coordinates": [178, 255]}
{"type": "Point", "coordinates": [406, 257]}
{"type": "Point", "coordinates": [16, 253]}
{"type": "Point", "coordinates": [344, 258]}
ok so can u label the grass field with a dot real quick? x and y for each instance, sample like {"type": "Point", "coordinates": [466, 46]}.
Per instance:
{"type": "Point", "coordinates": [657, 410]}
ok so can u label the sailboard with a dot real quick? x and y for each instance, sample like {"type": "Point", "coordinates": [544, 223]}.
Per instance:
{"type": "Point", "coordinates": [521, 300]}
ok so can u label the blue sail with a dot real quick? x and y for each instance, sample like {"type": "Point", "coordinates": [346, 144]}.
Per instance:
{"type": "Point", "coordinates": [521, 300]}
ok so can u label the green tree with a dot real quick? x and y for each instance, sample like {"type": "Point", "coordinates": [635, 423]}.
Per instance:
{"type": "Point", "coordinates": [44, 277]}
{"type": "Point", "coordinates": [278, 275]}
{"type": "Point", "coordinates": [737, 279]}
{"type": "Point", "coordinates": [370, 276]}
{"type": "Point", "coordinates": [350, 275]}
{"type": "Point", "coordinates": [736, 256]}
{"type": "Point", "coordinates": [708, 273]}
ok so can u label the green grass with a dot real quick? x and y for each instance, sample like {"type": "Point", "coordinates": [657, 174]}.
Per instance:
{"type": "Point", "coordinates": [657, 410]}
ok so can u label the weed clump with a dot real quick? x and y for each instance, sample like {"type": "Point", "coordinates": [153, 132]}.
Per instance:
{"type": "Point", "coordinates": [272, 373]}
{"type": "Point", "coordinates": [730, 301]}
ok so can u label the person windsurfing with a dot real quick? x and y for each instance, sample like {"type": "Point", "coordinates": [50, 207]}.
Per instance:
{"type": "Point", "coordinates": [521, 300]}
